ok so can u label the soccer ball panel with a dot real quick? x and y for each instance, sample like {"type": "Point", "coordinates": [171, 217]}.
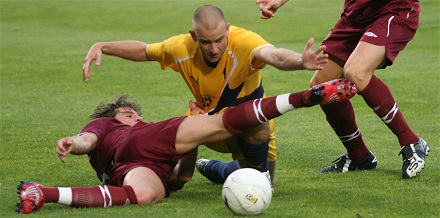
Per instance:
{"type": "Point", "coordinates": [247, 192]}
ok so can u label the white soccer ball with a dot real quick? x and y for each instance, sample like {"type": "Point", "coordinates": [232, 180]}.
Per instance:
{"type": "Point", "coordinates": [247, 192]}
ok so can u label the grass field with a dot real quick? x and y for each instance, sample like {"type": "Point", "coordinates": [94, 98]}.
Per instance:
{"type": "Point", "coordinates": [43, 98]}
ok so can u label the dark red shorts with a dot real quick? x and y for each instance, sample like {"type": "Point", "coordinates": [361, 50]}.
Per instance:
{"type": "Point", "coordinates": [150, 145]}
{"type": "Point", "coordinates": [393, 25]}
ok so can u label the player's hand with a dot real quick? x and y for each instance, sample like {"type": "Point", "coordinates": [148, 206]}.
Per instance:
{"type": "Point", "coordinates": [64, 147]}
{"type": "Point", "coordinates": [313, 60]}
{"type": "Point", "coordinates": [269, 7]}
{"type": "Point", "coordinates": [94, 54]}
{"type": "Point", "coordinates": [195, 110]}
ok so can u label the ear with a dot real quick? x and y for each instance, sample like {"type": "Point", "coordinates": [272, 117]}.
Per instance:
{"type": "Point", "coordinates": [193, 35]}
{"type": "Point", "coordinates": [227, 29]}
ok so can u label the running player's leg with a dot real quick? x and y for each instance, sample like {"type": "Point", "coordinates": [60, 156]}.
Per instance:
{"type": "Point", "coordinates": [341, 117]}
{"type": "Point", "coordinates": [385, 39]}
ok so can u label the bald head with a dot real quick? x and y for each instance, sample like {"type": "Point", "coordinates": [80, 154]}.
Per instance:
{"type": "Point", "coordinates": [211, 32]}
{"type": "Point", "coordinates": [208, 17]}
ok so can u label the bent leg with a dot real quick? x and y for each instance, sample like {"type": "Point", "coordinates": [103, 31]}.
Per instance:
{"type": "Point", "coordinates": [383, 104]}
{"type": "Point", "coordinates": [254, 145]}
{"type": "Point", "coordinates": [146, 184]}
{"type": "Point", "coordinates": [341, 116]}
{"type": "Point", "coordinates": [362, 63]}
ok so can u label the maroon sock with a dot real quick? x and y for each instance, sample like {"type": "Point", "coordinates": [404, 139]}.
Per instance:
{"type": "Point", "coordinates": [103, 196]}
{"type": "Point", "coordinates": [51, 194]}
{"type": "Point", "coordinates": [377, 95]}
{"type": "Point", "coordinates": [95, 196]}
{"type": "Point", "coordinates": [341, 117]}
{"type": "Point", "coordinates": [255, 112]}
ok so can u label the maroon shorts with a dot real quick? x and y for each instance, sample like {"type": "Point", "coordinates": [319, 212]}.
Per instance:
{"type": "Point", "coordinates": [150, 145]}
{"type": "Point", "coordinates": [392, 24]}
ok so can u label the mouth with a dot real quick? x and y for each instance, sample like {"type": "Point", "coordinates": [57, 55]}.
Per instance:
{"type": "Point", "coordinates": [214, 56]}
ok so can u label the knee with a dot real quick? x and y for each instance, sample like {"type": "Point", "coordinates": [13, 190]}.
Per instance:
{"type": "Point", "coordinates": [261, 136]}
{"type": "Point", "coordinates": [148, 196]}
{"type": "Point", "coordinates": [352, 75]}
{"type": "Point", "coordinates": [257, 137]}
{"type": "Point", "coordinates": [358, 76]}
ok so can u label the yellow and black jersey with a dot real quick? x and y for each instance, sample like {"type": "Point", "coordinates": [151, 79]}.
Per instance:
{"type": "Point", "coordinates": [235, 79]}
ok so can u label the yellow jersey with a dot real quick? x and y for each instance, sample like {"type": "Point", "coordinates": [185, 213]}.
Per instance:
{"type": "Point", "coordinates": [235, 79]}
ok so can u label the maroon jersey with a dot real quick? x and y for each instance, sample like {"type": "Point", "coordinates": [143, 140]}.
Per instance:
{"type": "Point", "coordinates": [109, 131]}
{"type": "Point", "coordinates": [391, 23]}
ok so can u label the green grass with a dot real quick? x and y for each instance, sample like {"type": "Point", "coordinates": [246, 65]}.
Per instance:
{"type": "Point", "coordinates": [43, 98]}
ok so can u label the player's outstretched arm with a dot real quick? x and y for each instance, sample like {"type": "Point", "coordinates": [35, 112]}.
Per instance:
{"type": "Point", "coordinates": [285, 59]}
{"type": "Point", "coordinates": [130, 50]}
{"type": "Point", "coordinates": [78, 145]}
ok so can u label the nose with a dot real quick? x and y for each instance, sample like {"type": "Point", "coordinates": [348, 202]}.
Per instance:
{"type": "Point", "coordinates": [139, 118]}
{"type": "Point", "coordinates": [214, 48]}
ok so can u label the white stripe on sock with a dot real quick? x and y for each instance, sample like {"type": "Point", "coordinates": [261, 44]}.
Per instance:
{"type": "Point", "coordinates": [283, 104]}
{"type": "Point", "coordinates": [106, 194]}
{"type": "Point", "coordinates": [65, 196]}
{"type": "Point", "coordinates": [387, 119]}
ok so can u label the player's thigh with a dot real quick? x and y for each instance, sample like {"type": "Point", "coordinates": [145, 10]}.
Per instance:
{"type": "Point", "coordinates": [331, 71]}
{"type": "Point", "coordinates": [362, 63]}
{"type": "Point", "coordinates": [146, 184]}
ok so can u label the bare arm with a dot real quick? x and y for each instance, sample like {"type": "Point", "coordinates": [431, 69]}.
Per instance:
{"type": "Point", "coordinates": [183, 172]}
{"type": "Point", "coordinates": [79, 144]}
{"type": "Point", "coordinates": [285, 59]}
{"type": "Point", "coordinates": [130, 50]}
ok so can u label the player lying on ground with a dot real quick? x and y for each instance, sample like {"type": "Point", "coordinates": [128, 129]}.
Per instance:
{"type": "Point", "coordinates": [136, 159]}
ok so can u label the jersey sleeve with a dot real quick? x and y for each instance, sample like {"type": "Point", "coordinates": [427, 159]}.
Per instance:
{"type": "Point", "coordinates": [172, 49]}
{"type": "Point", "coordinates": [248, 43]}
{"type": "Point", "coordinates": [97, 127]}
